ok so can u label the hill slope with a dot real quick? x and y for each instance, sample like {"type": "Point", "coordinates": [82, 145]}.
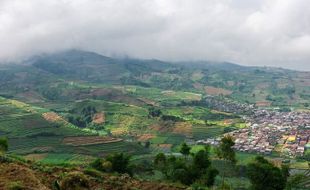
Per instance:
{"type": "Point", "coordinates": [247, 84]}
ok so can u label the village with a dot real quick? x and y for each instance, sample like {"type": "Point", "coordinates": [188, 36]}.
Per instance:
{"type": "Point", "coordinates": [268, 132]}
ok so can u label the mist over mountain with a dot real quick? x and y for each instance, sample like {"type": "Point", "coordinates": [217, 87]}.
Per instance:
{"type": "Point", "coordinates": [156, 94]}
{"type": "Point", "coordinates": [256, 33]}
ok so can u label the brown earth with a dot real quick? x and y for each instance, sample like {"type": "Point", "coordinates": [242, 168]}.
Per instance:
{"type": "Point", "coordinates": [216, 91]}
{"type": "Point", "coordinates": [145, 137]}
{"type": "Point", "coordinates": [263, 104]}
{"type": "Point", "coordinates": [52, 116]}
{"type": "Point", "coordinates": [99, 118]}
{"type": "Point", "coordinates": [183, 128]}
{"type": "Point", "coordinates": [35, 157]}
{"type": "Point", "coordinates": [162, 127]}
{"type": "Point", "coordinates": [43, 178]}
{"type": "Point", "coordinates": [198, 86]}
{"type": "Point", "coordinates": [164, 145]}
{"type": "Point", "coordinates": [11, 173]}
{"type": "Point", "coordinates": [89, 140]}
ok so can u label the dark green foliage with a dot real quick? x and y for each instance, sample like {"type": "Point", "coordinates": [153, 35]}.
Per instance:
{"type": "Point", "coordinates": [171, 118]}
{"type": "Point", "coordinates": [101, 165]}
{"type": "Point", "coordinates": [210, 176]}
{"type": "Point", "coordinates": [84, 118]}
{"type": "Point", "coordinates": [225, 150]}
{"type": "Point", "coordinates": [264, 175]}
{"type": "Point", "coordinates": [97, 164]}
{"type": "Point", "coordinates": [3, 144]}
{"type": "Point", "coordinates": [120, 163]}
{"type": "Point", "coordinates": [160, 159]}
{"type": "Point", "coordinates": [147, 144]}
{"type": "Point", "coordinates": [187, 171]}
{"type": "Point", "coordinates": [185, 149]}
{"type": "Point", "coordinates": [42, 134]}
{"type": "Point", "coordinates": [78, 121]}
{"type": "Point", "coordinates": [285, 109]}
{"type": "Point", "coordinates": [51, 93]}
{"type": "Point", "coordinates": [55, 185]}
{"type": "Point", "coordinates": [201, 160]}
{"type": "Point", "coordinates": [154, 112]}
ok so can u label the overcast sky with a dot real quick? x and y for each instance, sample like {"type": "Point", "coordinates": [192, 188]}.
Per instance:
{"type": "Point", "coordinates": [248, 32]}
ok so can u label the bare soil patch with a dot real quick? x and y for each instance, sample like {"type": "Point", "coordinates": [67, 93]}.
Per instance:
{"type": "Point", "coordinates": [263, 104]}
{"type": "Point", "coordinates": [146, 137]}
{"type": "Point", "coordinates": [52, 116]}
{"type": "Point", "coordinates": [99, 118]}
{"type": "Point", "coordinates": [183, 128]}
{"type": "Point", "coordinates": [216, 91]}
{"type": "Point", "coordinates": [164, 145]}
{"type": "Point", "coordinates": [35, 157]}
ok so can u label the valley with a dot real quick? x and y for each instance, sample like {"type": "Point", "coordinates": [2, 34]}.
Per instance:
{"type": "Point", "coordinates": [70, 108]}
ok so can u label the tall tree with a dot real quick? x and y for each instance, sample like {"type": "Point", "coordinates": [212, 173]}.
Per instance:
{"type": "Point", "coordinates": [225, 149]}
{"type": "Point", "coordinates": [185, 149]}
{"type": "Point", "coordinates": [264, 175]}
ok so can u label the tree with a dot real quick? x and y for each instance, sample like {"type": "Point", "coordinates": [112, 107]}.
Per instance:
{"type": "Point", "coordinates": [185, 149]}
{"type": "Point", "coordinates": [202, 161]}
{"type": "Point", "coordinates": [307, 157]}
{"type": "Point", "coordinates": [154, 112]}
{"type": "Point", "coordinates": [160, 160]}
{"type": "Point", "coordinates": [120, 163]}
{"type": "Point", "coordinates": [3, 145]}
{"type": "Point", "coordinates": [147, 144]}
{"type": "Point", "coordinates": [225, 149]}
{"type": "Point", "coordinates": [187, 171]}
{"type": "Point", "coordinates": [210, 176]}
{"type": "Point", "coordinates": [264, 175]}
{"type": "Point", "coordinates": [101, 165]}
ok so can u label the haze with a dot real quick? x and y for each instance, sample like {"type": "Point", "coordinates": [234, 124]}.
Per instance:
{"type": "Point", "coordinates": [256, 32]}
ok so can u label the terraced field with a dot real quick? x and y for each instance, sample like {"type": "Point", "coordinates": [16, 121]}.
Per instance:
{"type": "Point", "coordinates": [89, 140]}
{"type": "Point", "coordinates": [203, 131]}
{"type": "Point", "coordinates": [32, 132]}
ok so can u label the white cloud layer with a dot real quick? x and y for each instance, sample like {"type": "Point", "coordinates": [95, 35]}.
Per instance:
{"type": "Point", "coordinates": [248, 32]}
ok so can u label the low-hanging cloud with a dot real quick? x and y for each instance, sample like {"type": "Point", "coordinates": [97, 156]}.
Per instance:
{"type": "Point", "coordinates": [256, 32]}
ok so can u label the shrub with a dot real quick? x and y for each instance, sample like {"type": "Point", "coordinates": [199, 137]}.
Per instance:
{"type": "Point", "coordinates": [92, 172]}
{"type": "Point", "coordinates": [120, 163]}
{"type": "Point", "coordinates": [3, 144]}
{"type": "Point", "coordinates": [74, 181]}
{"type": "Point", "coordinates": [16, 185]}
{"type": "Point", "coordinates": [102, 165]}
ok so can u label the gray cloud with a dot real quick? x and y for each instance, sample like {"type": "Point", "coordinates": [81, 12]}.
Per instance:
{"type": "Point", "coordinates": [256, 32]}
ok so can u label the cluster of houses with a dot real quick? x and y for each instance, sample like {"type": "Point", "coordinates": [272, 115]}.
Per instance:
{"type": "Point", "coordinates": [271, 131]}
{"type": "Point", "coordinates": [227, 105]}
{"type": "Point", "coordinates": [290, 141]}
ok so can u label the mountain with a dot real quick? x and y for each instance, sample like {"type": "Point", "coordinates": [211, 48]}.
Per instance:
{"type": "Point", "coordinates": [246, 84]}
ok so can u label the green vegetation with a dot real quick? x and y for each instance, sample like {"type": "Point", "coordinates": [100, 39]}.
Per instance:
{"type": "Point", "coordinates": [225, 150]}
{"type": "Point", "coordinates": [264, 175]}
{"type": "Point", "coordinates": [198, 169]}
{"type": "Point", "coordinates": [3, 145]}
{"type": "Point", "coordinates": [73, 181]}
{"type": "Point", "coordinates": [140, 108]}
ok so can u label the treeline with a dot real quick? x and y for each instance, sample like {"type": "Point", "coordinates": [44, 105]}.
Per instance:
{"type": "Point", "coordinates": [84, 117]}
{"type": "Point", "coordinates": [192, 169]}
{"type": "Point", "coordinates": [196, 169]}
{"type": "Point", "coordinates": [156, 112]}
